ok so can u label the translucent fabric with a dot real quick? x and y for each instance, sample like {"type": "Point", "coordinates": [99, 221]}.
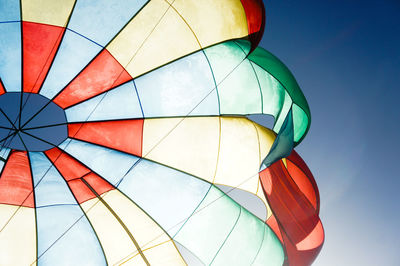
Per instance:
{"type": "Point", "coordinates": [126, 137]}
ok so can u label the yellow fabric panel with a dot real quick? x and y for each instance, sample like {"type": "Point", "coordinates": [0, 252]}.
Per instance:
{"type": "Point", "coordinates": [191, 147]}
{"type": "Point", "coordinates": [284, 162]}
{"type": "Point", "coordinates": [145, 231]}
{"type": "Point", "coordinates": [53, 12]}
{"type": "Point", "coordinates": [239, 159]}
{"type": "Point", "coordinates": [157, 255]}
{"type": "Point", "coordinates": [18, 238]}
{"type": "Point", "coordinates": [115, 241]}
{"type": "Point", "coordinates": [214, 21]}
{"type": "Point", "coordinates": [156, 36]}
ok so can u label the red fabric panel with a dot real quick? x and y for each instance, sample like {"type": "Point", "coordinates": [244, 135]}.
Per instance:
{"type": "Point", "coordinates": [296, 216]}
{"type": "Point", "coordinates": [255, 14]}
{"type": "Point", "coordinates": [295, 158]}
{"type": "Point", "coordinates": [97, 183]}
{"type": "Point", "coordinates": [16, 186]}
{"type": "Point", "coordinates": [102, 74]}
{"type": "Point", "coordinates": [2, 91]}
{"type": "Point", "coordinates": [124, 135]}
{"type": "Point", "coordinates": [81, 191]}
{"type": "Point", "coordinates": [298, 257]}
{"type": "Point", "coordinates": [273, 224]}
{"type": "Point", "coordinates": [78, 176]}
{"type": "Point", "coordinates": [302, 182]}
{"type": "Point", "coordinates": [290, 206]}
{"type": "Point", "coordinates": [68, 167]}
{"type": "Point", "coordinates": [40, 43]}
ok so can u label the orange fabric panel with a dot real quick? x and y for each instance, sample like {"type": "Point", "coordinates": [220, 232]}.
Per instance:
{"type": "Point", "coordinates": [16, 186]}
{"type": "Point", "coordinates": [102, 74]}
{"type": "Point", "coordinates": [124, 135]}
{"type": "Point", "coordinates": [40, 43]}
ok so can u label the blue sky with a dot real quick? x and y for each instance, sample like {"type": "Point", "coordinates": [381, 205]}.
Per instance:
{"type": "Point", "coordinates": [346, 57]}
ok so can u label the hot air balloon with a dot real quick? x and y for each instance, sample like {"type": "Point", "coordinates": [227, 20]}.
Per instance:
{"type": "Point", "coordinates": [130, 134]}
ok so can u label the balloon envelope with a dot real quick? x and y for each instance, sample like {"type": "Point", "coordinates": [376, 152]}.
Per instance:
{"type": "Point", "coordinates": [127, 137]}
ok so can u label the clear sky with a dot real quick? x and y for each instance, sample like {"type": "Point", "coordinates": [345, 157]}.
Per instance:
{"type": "Point", "coordinates": [346, 57]}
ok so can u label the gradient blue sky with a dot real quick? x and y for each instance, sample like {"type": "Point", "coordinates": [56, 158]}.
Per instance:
{"type": "Point", "coordinates": [346, 57]}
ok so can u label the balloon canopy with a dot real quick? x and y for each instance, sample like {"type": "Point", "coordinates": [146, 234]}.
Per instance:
{"type": "Point", "coordinates": [133, 132]}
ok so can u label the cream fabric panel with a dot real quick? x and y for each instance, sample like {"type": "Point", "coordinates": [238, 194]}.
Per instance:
{"type": "Point", "coordinates": [53, 12]}
{"type": "Point", "coordinates": [113, 238]}
{"type": "Point", "coordinates": [189, 144]}
{"type": "Point", "coordinates": [18, 238]}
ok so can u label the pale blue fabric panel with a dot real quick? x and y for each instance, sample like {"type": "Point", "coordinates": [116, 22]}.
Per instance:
{"type": "Point", "coordinates": [74, 54]}
{"type": "Point", "coordinates": [167, 195]}
{"type": "Point", "coordinates": [10, 55]}
{"type": "Point", "coordinates": [4, 152]}
{"type": "Point", "coordinates": [119, 103]}
{"type": "Point", "coordinates": [50, 186]}
{"type": "Point", "coordinates": [65, 237]}
{"type": "Point", "coordinates": [9, 10]}
{"type": "Point", "coordinates": [101, 20]}
{"type": "Point", "coordinates": [109, 164]}
{"type": "Point", "coordinates": [177, 88]}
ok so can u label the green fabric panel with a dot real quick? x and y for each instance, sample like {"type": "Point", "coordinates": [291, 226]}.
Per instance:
{"type": "Point", "coordinates": [300, 122]}
{"type": "Point", "coordinates": [276, 68]}
{"type": "Point", "coordinates": [270, 253]}
{"type": "Point", "coordinates": [240, 93]}
{"type": "Point", "coordinates": [243, 244]}
{"type": "Point", "coordinates": [287, 104]}
{"type": "Point", "coordinates": [237, 84]}
{"type": "Point", "coordinates": [245, 45]}
{"type": "Point", "coordinates": [205, 232]}
{"type": "Point", "coordinates": [283, 144]}
{"type": "Point", "coordinates": [273, 93]}
{"type": "Point", "coordinates": [223, 59]}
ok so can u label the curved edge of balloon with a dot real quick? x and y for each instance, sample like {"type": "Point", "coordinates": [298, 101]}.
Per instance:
{"type": "Point", "coordinates": [292, 193]}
